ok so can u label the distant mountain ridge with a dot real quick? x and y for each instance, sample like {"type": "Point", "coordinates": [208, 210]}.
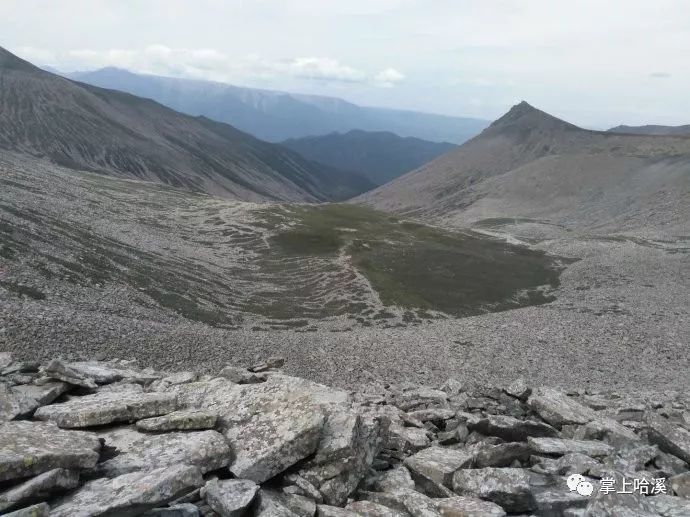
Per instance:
{"type": "Point", "coordinates": [378, 156]}
{"type": "Point", "coordinates": [276, 116]}
{"type": "Point", "coordinates": [115, 133]}
{"type": "Point", "coordinates": [531, 165]}
{"type": "Point", "coordinates": [652, 129]}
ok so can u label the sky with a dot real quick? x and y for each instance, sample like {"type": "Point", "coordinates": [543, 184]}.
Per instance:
{"type": "Point", "coordinates": [596, 63]}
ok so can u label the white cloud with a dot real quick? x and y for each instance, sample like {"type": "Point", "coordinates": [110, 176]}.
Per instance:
{"type": "Point", "coordinates": [321, 69]}
{"type": "Point", "coordinates": [389, 77]}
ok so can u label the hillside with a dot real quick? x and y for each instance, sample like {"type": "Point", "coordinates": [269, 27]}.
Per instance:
{"type": "Point", "coordinates": [531, 165]}
{"type": "Point", "coordinates": [118, 134]}
{"type": "Point", "coordinates": [652, 130]}
{"type": "Point", "coordinates": [275, 116]}
{"type": "Point", "coordinates": [378, 156]}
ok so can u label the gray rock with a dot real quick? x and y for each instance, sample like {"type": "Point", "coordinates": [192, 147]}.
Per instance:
{"type": "Point", "coordinates": [510, 488]}
{"type": "Point", "coordinates": [44, 393]}
{"type": "Point", "coordinates": [404, 500]}
{"type": "Point", "coordinates": [270, 364]}
{"type": "Point", "coordinates": [271, 504]}
{"type": "Point", "coordinates": [436, 415]}
{"type": "Point", "coordinates": [230, 497]}
{"type": "Point", "coordinates": [453, 387]}
{"type": "Point", "coordinates": [129, 494]}
{"type": "Point", "coordinates": [349, 443]}
{"type": "Point", "coordinates": [5, 360]}
{"type": "Point", "coordinates": [607, 430]}
{"type": "Point", "coordinates": [107, 408]}
{"type": "Point", "coordinates": [670, 506]}
{"type": "Point", "coordinates": [680, 484]}
{"type": "Point", "coordinates": [512, 429]}
{"type": "Point", "coordinates": [560, 447]}
{"type": "Point", "coordinates": [302, 487]}
{"type": "Point", "coordinates": [177, 510]}
{"type": "Point", "coordinates": [31, 448]}
{"type": "Point", "coordinates": [669, 464]}
{"type": "Point", "coordinates": [558, 409]}
{"type": "Point", "coordinates": [501, 454]}
{"type": "Point", "coordinates": [556, 501]}
{"type": "Point", "coordinates": [669, 437]}
{"type": "Point", "coordinates": [462, 506]}
{"type": "Point", "coordinates": [606, 504]}
{"type": "Point", "coordinates": [14, 404]}
{"type": "Point", "coordinates": [393, 479]}
{"type": "Point", "coordinates": [208, 450]}
{"type": "Point", "coordinates": [240, 375]}
{"type": "Point", "coordinates": [183, 420]}
{"type": "Point", "coordinates": [271, 425]}
{"type": "Point", "coordinates": [299, 505]}
{"type": "Point", "coordinates": [323, 510]}
{"type": "Point", "coordinates": [421, 397]}
{"type": "Point", "coordinates": [370, 509]}
{"type": "Point", "coordinates": [38, 488]}
{"type": "Point", "coordinates": [56, 369]}
{"type": "Point", "coordinates": [180, 378]}
{"type": "Point", "coordinates": [439, 463]}
{"type": "Point", "coordinates": [519, 389]}
{"type": "Point", "coordinates": [571, 463]}
{"type": "Point", "coordinates": [406, 439]}
{"type": "Point", "coordinates": [107, 373]}
{"type": "Point", "coordinates": [37, 510]}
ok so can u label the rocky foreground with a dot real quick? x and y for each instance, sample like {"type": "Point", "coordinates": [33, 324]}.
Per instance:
{"type": "Point", "coordinates": [111, 439]}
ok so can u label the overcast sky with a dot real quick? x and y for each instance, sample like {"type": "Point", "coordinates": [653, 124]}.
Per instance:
{"type": "Point", "coordinates": [596, 63]}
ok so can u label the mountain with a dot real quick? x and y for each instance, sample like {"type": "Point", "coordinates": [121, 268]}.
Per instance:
{"type": "Point", "coordinates": [378, 156]}
{"type": "Point", "coordinates": [118, 134]}
{"type": "Point", "coordinates": [275, 116]}
{"type": "Point", "coordinates": [652, 130]}
{"type": "Point", "coordinates": [531, 165]}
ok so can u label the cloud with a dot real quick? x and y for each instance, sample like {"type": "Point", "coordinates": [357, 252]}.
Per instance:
{"type": "Point", "coordinates": [321, 69]}
{"type": "Point", "coordinates": [659, 75]}
{"type": "Point", "coordinates": [389, 77]}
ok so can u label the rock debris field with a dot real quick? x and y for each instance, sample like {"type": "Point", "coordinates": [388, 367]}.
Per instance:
{"type": "Point", "coordinates": [92, 438]}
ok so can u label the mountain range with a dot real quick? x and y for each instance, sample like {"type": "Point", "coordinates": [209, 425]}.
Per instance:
{"type": "Point", "coordinates": [275, 116]}
{"type": "Point", "coordinates": [531, 165]}
{"type": "Point", "coordinates": [378, 156]}
{"type": "Point", "coordinates": [115, 133]}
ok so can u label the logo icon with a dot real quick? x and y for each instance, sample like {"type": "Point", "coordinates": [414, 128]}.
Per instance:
{"type": "Point", "coordinates": [578, 483]}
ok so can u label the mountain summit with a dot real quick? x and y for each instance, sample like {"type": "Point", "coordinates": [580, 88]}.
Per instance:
{"type": "Point", "coordinates": [530, 164]}
{"type": "Point", "coordinates": [114, 133]}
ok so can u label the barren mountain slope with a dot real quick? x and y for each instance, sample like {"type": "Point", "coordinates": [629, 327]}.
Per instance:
{"type": "Point", "coordinates": [531, 165]}
{"type": "Point", "coordinates": [117, 134]}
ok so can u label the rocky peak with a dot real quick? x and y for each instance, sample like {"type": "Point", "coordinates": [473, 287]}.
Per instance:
{"type": "Point", "coordinates": [9, 61]}
{"type": "Point", "coordinates": [524, 117]}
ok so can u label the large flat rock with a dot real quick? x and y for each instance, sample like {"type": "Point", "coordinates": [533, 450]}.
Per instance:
{"type": "Point", "coordinates": [669, 437]}
{"type": "Point", "coordinates": [511, 429]}
{"type": "Point", "coordinates": [107, 408]}
{"type": "Point", "coordinates": [39, 488]}
{"type": "Point", "coordinates": [208, 450]}
{"type": "Point", "coordinates": [270, 425]}
{"type": "Point", "coordinates": [129, 494]}
{"type": "Point", "coordinates": [230, 497]}
{"type": "Point", "coordinates": [559, 447]}
{"type": "Point", "coordinates": [183, 420]}
{"type": "Point", "coordinates": [31, 448]}
{"type": "Point", "coordinates": [462, 506]}
{"type": "Point", "coordinates": [439, 463]}
{"type": "Point", "coordinates": [559, 409]}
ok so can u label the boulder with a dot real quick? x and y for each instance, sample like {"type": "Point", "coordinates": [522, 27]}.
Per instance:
{"type": "Point", "coordinates": [421, 397]}
{"type": "Point", "coordinates": [669, 437]}
{"type": "Point", "coordinates": [107, 408]}
{"type": "Point", "coordinates": [439, 463]}
{"type": "Point", "coordinates": [183, 420]}
{"type": "Point", "coordinates": [230, 497]}
{"type": "Point", "coordinates": [393, 479]}
{"type": "Point", "coordinates": [501, 454]}
{"type": "Point", "coordinates": [324, 510]}
{"type": "Point", "coordinates": [510, 488]}
{"type": "Point", "coordinates": [271, 504]}
{"type": "Point", "coordinates": [407, 440]}
{"type": "Point", "coordinates": [404, 500]}
{"type": "Point", "coordinates": [558, 409]}
{"type": "Point", "coordinates": [107, 372]}
{"type": "Point", "coordinates": [5, 360]}
{"type": "Point", "coordinates": [349, 443]}
{"type": "Point", "coordinates": [38, 488]}
{"type": "Point", "coordinates": [31, 448]}
{"type": "Point", "coordinates": [680, 484]}
{"type": "Point", "coordinates": [58, 370]}
{"type": "Point", "coordinates": [571, 463]}
{"type": "Point", "coordinates": [43, 394]}
{"type": "Point", "coordinates": [207, 450]}
{"type": "Point", "coordinates": [512, 429]}
{"type": "Point", "coordinates": [129, 494]}
{"type": "Point", "coordinates": [271, 425]}
{"type": "Point", "coordinates": [461, 506]}
{"type": "Point", "coordinates": [14, 404]}
{"type": "Point", "coordinates": [436, 415]}
{"type": "Point", "coordinates": [519, 389]}
{"type": "Point", "coordinates": [605, 503]}
{"type": "Point", "coordinates": [559, 447]}
{"type": "Point", "coordinates": [670, 506]}
{"type": "Point", "coordinates": [177, 510]}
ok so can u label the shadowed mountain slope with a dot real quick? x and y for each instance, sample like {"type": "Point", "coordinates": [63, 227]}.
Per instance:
{"type": "Point", "coordinates": [275, 116]}
{"type": "Point", "coordinates": [378, 156]}
{"type": "Point", "coordinates": [118, 134]}
{"type": "Point", "coordinates": [652, 130]}
{"type": "Point", "coordinates": [529, 164]}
